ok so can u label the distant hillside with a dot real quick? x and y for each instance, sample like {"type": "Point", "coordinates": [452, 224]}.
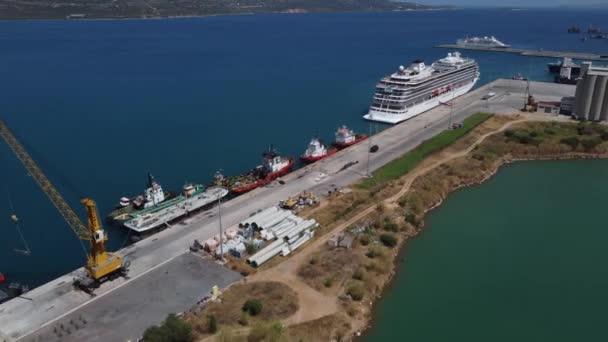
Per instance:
{"type": "Point", "coordinates": [46, 9]}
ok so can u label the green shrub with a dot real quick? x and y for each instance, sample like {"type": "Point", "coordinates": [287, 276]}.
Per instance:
{"type": "Point", "coordinates": [390, 226]}
{"type": "Point", "coordinates": [365, 239]}
{"type": "Point", "coordinates": [329, 281]}
{"type": "Point", "coordinates": [410, 218]}
{"type": "Point", "coordinates": [244, 319]}
{"type": "Point", "coordinates": [172, 329]}
{"type": "Point", "coordinates": [314, 260]}
{"type": "Point", "coordinates": [374, 252]}
{"type": "Point", "coordinates": [356, 291]}
{"type": "Point", "coordinates": [212, 324]}
{"type": "Point", "coordinates": [359, 274]}
{"type": "Point", "coordinates": [534, 134]}
{"type": "Point", "coordinates": [509, 133]}
{"type": "Point", "coordinates": [378, 266]}
{"type": "Point", "coordinates": [253, 307]}
{"type": "Point", "coordinates": [604, 136]}
{"type": "Point", "coordinates": [549, 131]}
{"type": "Point", "coordinates": [584, 129]}
{"type": "Point", "coordinates": [523, 138]}
{"type": "Point", "coordinates": [591, 143]}
{"type": "Point", "coordinates": [479, 157]}
{"type": "Point", "coordinates": [389, 240]}
{"type": "Point", "coordinates": [570, 141]}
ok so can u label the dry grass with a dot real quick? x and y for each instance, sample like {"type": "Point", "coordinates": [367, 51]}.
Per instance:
{"type": "Point", "coordinates": [329, 328]}
{"type": "Point", "coordinates": [279, 302]}
{"type": "Point", "coordinates": [330, 267]}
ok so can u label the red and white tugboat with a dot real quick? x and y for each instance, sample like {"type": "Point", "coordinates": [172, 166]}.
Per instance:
{"type": "Point", "coordinates": [316, 151]}
{"type": "Point", "coordinates": [346, 137]}
{"type": "Point", "coordinates": [273, 166]}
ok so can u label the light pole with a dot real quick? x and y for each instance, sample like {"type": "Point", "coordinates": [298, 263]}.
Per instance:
{"type": "Point", "coordinates": [219, 209]}
{"type": "Point", "coordinates": [451, 106]}
{"type": "Point", "coordinates": [369, 148]}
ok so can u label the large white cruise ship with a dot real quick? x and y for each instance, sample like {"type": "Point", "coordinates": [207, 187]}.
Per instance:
{"type": "Point", "coordinates": [418, 88]}
{"type": "Point", "coordinates": [483, 42]}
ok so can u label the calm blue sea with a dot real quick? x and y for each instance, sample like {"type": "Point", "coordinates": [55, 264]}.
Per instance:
{"type": "Point", "coordinates": [100, 103]}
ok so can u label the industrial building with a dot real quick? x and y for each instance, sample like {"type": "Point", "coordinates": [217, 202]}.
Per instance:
{"type": "Point", "coordinates": [591, 97]}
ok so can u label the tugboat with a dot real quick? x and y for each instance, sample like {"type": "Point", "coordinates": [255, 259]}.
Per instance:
{"type": "Point", "coordinates": [346, 137]}
{"type": "Point", "coordinates": [152, 196]}
{"type": "Point", "coordinates": [519, 77]}
{"type": "Point", "coordinates": [273, 166]}
{"type": "Point", "coordinates": [316, 151]}
{"type": "Point", "coordinates": [594, 29]}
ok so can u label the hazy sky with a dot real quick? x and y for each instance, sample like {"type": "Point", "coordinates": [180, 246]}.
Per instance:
{"type": "Point", "coordinates": [505, 3]}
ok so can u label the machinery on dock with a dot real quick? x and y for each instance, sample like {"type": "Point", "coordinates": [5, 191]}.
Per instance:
{"type": "Point", "coordinates": [101, 265]}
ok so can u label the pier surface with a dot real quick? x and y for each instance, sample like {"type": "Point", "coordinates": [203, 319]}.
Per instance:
{"type": "Point", "coordinates": [534, 53]}
{"type": "Point", "coordinates": [165, 277]}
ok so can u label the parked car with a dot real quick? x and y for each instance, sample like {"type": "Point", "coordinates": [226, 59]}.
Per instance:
{"type": "Point", "coordinates": [488, 95]}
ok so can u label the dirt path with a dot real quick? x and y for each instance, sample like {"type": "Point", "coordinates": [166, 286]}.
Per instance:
{"type": "Point", "coordinates": [419, 171]}
{"type": "Point", "coordinates": [314, 304]}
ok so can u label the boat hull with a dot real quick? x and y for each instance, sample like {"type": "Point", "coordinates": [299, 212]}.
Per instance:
{"type": "Point", "coordinates": [269, 178]}
{"type": "Point", "coordinates": [356, 141]}
{"type": "Point", "coordinates": [555, 68]}
{"type": "Point", "coordinates": [419, 108]}
{"type": "Point", "coordinates": [311, 159]}
{"type": "Point", "coordinates": [174, 213]}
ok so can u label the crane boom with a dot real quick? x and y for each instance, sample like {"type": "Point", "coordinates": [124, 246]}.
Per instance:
{"type": "Point", "coordinates": [47, 187]}
{"type": "Point", "coordinates": [100, 264]}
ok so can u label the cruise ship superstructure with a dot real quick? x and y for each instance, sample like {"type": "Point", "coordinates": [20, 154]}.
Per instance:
{"type": "Point", "coordinates": [484, 42]}
{"type": "Point", "coordinates": [419, 87]}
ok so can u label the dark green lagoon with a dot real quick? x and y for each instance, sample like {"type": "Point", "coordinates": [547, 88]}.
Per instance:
{"type": "Point", "coordinates": [523, 257]}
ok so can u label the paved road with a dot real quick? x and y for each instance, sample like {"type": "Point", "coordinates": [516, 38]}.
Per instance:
{"type": "Point", "coordinates": [48, 303]}
{"type": "Point", "coordinates": [175, 287]}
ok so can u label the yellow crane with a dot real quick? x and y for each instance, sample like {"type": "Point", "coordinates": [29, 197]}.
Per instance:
{"type": "Point", "coordinates": [100, 264]}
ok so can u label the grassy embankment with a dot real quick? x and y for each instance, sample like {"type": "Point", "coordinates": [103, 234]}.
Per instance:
{"type": "Point", "coordinates": [358, 275]}
{"type": "Point", "coordinates": [408, 161]}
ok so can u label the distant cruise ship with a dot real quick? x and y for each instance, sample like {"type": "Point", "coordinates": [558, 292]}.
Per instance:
{"type": "Point", "coordinates": [418, 88]}
{"type": "Point", "coordinates": [491, 42]}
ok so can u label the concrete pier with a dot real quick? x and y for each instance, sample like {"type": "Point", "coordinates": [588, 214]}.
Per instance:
{"type": "Point", "coordinates": [529, 52]}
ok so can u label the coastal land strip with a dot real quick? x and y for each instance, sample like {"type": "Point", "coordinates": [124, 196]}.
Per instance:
{"type": "Point", "coordinates": [124, 9]}
{"type": "Point", "coordinates": [327, 293]}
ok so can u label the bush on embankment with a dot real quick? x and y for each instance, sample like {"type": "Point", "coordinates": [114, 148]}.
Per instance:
{"type": "Point", "coordinates": [408, 161]}
{"type": "Point", "coordinates": [172, 329]}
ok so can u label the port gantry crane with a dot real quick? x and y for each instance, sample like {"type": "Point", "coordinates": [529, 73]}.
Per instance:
{"type": "Point", "coordinates": [101, 265]}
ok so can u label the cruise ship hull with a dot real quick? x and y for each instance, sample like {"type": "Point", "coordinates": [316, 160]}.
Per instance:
{"type": "Point", "coordinates": [419, 108]}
